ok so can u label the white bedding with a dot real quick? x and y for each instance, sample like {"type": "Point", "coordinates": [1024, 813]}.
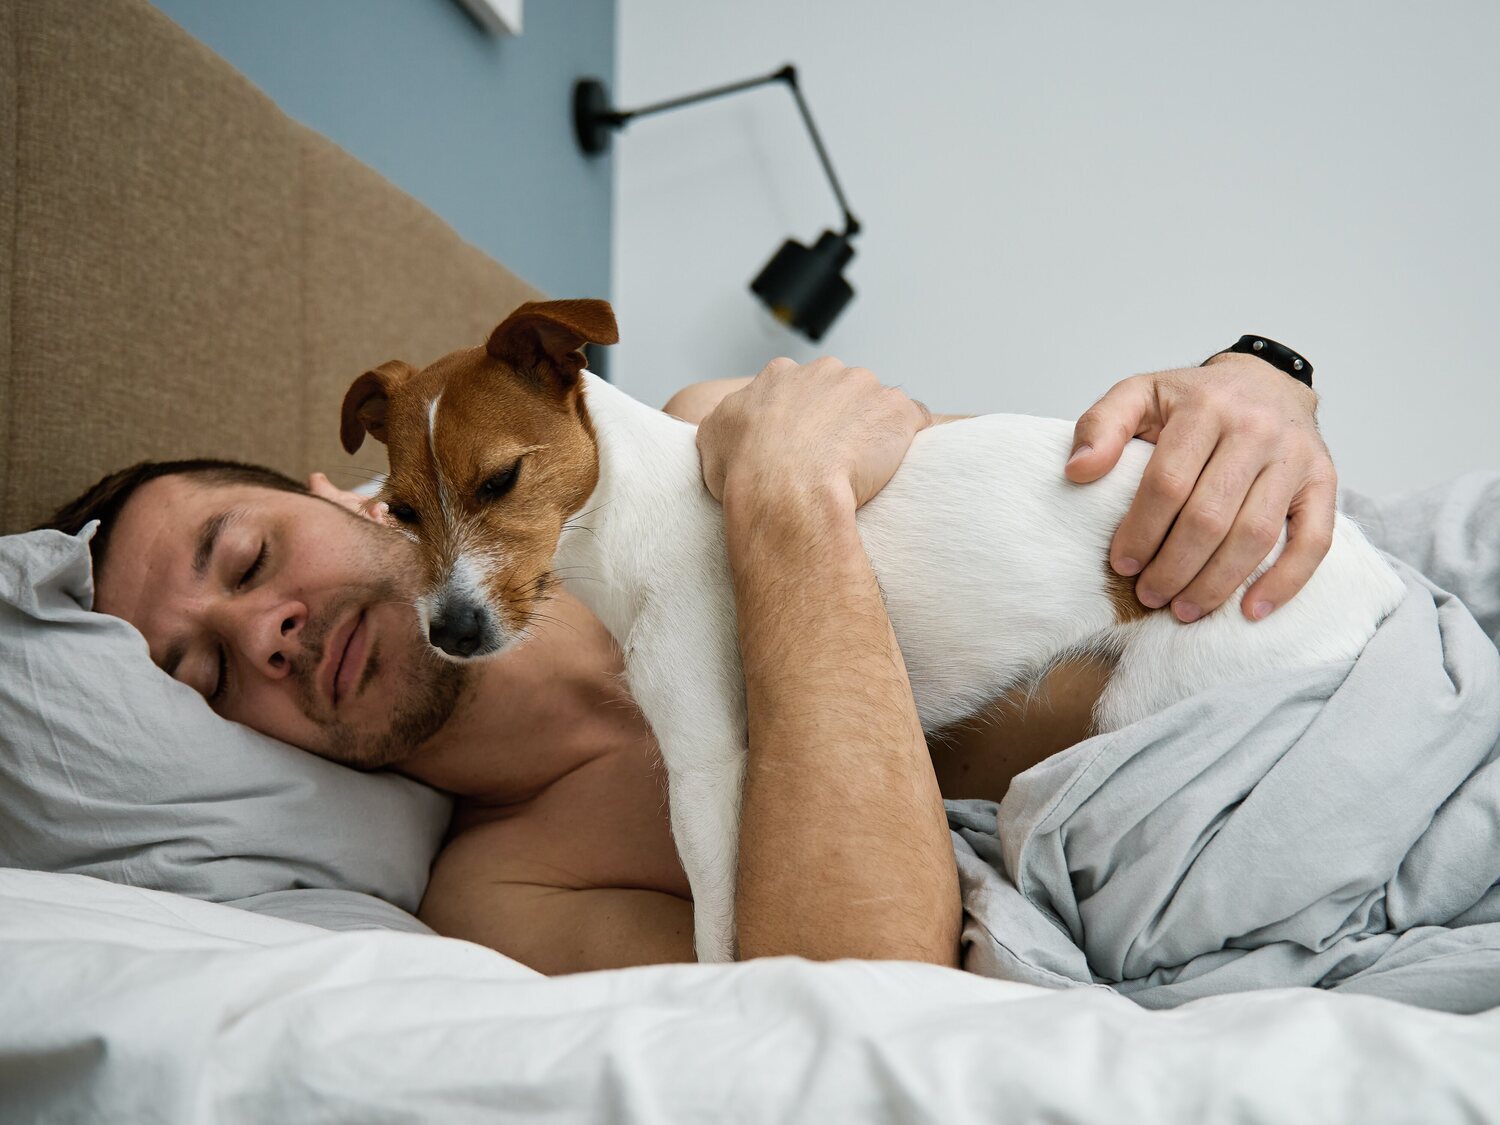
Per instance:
{"type": "Point", "coordinates": [127, 1005]}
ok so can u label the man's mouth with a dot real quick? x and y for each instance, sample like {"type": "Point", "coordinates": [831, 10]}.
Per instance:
{"type": "Point", "coordinates": [347, 649]}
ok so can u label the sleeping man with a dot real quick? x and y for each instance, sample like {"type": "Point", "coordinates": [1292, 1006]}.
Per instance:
{"type": "Point", "coordinates": [290, 610]}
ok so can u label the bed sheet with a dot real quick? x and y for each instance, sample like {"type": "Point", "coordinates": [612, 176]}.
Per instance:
{"type": "Point", "coordinates": [123, 1004]}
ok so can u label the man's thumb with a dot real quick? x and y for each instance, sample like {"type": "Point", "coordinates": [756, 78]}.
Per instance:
{"type": "Point", "coordinates": [1102, 431]}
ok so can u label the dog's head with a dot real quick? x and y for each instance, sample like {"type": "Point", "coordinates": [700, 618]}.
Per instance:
{"type": "Point", "coordinates": [491, 450]}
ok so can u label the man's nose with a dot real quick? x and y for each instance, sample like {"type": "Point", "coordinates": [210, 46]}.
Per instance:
{"type": "Point", "coordinates": [269, 634]}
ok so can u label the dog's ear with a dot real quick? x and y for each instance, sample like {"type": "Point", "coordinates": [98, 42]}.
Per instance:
{"type": "Point", "coordinates": [548, 336]}
{"type": "Point", "coordinates": [366, 401]}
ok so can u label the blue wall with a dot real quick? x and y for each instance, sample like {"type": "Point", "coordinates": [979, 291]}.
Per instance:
{"type": "Point", "coordinates": [478, 127]}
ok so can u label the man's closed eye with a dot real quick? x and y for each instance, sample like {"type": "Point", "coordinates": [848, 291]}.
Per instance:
{"type": "Point", "coordinates": [221, 681]}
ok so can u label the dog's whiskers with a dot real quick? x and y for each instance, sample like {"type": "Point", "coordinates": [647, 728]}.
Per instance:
{"type": "Point", "coordinates": [358, 472]}
{"type": "Point", "coordinates": [591, 511]}
{"type": "Point", "coordinates": [532, 617]}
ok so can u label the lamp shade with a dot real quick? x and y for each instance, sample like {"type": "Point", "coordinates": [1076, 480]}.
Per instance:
{"type": "Point", "coordinates": [804, 288]}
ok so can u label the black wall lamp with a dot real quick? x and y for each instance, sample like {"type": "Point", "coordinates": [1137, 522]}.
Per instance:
{"type": "Point", "coordinates": [804, 288]}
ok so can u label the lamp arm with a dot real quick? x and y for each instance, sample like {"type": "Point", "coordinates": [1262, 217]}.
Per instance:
{"type": "Point", "coordinates": [789, 73]}
{"type": "Point", "coordinates": [618, 118]}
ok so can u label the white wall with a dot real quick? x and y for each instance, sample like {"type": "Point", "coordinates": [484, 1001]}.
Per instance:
{"type": "Point", "coordinates": [1057, 195]}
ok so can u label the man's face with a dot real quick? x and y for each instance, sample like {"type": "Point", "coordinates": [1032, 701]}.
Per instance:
{"type": "Point", "coordinates": [286, 612]}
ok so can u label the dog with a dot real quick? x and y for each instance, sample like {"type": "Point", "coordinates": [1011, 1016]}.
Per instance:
{"type": "Point", "coordinates": [515, 470]}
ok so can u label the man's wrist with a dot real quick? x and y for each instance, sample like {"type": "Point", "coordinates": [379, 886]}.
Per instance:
{"type": "Point", "coordinates": [769, 507]}
{"type": "Point", "coordinates": [1254, 366]}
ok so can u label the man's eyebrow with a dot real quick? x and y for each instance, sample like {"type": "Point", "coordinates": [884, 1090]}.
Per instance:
{"type": "Point", "coordinates": [208, 537]}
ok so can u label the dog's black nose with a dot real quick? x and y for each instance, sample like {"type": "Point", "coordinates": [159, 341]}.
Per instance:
{"type": "Point", "coordinates": [458, 631]}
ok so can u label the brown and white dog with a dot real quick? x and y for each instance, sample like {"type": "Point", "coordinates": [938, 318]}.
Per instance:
{"type": "Point", "coordinates": [993, 566]}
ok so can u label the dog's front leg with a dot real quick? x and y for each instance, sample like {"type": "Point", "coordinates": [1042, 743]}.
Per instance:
{"type": "Point", "coordinates": [690, 690]}
{"type": "Point", "coordinates": [706, 826]}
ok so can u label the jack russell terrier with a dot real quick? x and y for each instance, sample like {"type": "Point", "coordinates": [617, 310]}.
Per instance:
{"type": "Point", "coordinates": [993, 566]}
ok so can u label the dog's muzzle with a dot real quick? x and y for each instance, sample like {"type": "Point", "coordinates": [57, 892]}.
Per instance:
{"type": "Point", "coordinates": [461, 622]}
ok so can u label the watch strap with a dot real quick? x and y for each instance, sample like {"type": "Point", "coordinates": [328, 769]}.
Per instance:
{"type": "Point", "coordinates": [1277, 355]}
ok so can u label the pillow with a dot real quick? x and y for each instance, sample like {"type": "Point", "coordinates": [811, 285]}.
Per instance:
{"type": "Point", "coordinates": [110, 768]}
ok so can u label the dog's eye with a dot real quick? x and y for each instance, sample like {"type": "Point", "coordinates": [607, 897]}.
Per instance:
{"type": "Point", "coordinates": [501, 483]}
{"type": "Point", "coordinates": [403, 513]}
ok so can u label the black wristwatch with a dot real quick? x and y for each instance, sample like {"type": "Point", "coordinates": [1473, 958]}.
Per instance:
{"type": "Point", "coordinates": [1277, 355]}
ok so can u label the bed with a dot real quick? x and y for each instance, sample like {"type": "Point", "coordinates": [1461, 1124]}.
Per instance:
{"type": "Point", "coordinates": [197, 924]}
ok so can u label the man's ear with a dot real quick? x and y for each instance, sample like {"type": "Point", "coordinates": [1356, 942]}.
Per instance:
{"type": "Point", "coordinates": [548, 337]}
{"type": "Point", "coordinates": [366, 507]}
{"type": "Point", "coordinates": [366, 401]}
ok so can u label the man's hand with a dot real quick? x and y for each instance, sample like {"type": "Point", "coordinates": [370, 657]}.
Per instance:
{"type": "Point", "coordinates": [1238, 458]}
{"type": "Point", "coordinates": [813, 427]}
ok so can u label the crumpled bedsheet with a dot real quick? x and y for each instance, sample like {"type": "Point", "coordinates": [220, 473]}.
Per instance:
{"type": "Point", "coordinates": [1338, 827]}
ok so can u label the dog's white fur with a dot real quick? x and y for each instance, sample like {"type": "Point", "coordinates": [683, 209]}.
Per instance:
{"type": "Point", "coordinates": [992, 565]}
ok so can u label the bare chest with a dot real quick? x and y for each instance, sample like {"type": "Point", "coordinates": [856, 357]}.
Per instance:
{"type": "Point", "coordinates": [603, 824]}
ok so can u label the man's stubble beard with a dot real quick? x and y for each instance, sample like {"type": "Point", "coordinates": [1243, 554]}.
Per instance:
{"type": "Point", "coordinates": [427, 695]}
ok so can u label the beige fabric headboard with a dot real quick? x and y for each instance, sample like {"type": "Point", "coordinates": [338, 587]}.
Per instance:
{"type": "Point", "coordinates": [184, 271]}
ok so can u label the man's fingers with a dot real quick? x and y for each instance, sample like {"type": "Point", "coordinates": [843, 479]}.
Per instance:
{"type": "Point", "coordinates": [1309, 534]}
{"type": "Point", "coordinates": [1256, 529]}
{"type": "Point", "coordinates": [1103, 429]}
{"type": "Point", "coordinates": [1205, 519]}
{"type": "Point", "coordinates": [1171, 474]}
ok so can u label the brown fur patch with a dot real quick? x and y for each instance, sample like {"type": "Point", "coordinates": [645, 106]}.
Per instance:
{"type": "Point", "coordinates": [1121, 592]}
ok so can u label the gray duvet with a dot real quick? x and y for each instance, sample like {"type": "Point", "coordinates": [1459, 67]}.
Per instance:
{"type": "Point", "coordinates": [1336, 827]}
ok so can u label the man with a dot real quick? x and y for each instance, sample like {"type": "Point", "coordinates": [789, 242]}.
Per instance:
{"type": "Point", "coordinates": [559, 853]}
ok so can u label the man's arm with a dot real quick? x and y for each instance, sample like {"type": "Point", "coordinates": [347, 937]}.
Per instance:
{"type": "Point", "coordinates": [844, 846]}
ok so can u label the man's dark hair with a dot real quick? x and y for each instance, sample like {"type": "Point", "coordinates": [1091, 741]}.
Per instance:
{"type": "Point", "coordinates": [104, 501]}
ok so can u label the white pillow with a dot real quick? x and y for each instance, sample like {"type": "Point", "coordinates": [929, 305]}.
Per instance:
{"type": "Point", "coordinates": [110, 768]}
